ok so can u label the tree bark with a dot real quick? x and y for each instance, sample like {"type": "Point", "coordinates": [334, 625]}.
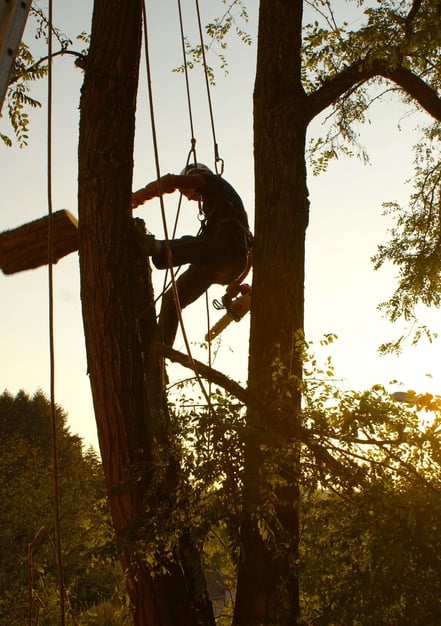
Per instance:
{"type": "Point", "coordinates": [120, 328]}
{"type": "Point", "coordinates": [267, 590]}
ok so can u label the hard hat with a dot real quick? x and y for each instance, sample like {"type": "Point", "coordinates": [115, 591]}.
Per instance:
{"type": "Point", "coordinates": [195, 168]}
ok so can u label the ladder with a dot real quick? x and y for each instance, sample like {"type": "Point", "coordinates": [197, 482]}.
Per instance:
{"type": "Point", "coordinates": [13, 16]}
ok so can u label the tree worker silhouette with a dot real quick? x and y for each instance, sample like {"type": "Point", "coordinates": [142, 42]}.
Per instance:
{"type": "Point", "coordinates": [218, 254]}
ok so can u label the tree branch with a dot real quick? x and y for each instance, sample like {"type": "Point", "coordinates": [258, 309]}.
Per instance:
{"type": "Point", "coordinates": [415, 87]}
{"type": "Point", "coordinates": [334, 87]}
{"type": "Point", "coordinates": [210, 374]}
{"type": "Point", "coordinates": [411, 16]}
{"type": "Point", "coordinates": [361, 71]}
{"type": "Point", "coordinates": [28, 70]}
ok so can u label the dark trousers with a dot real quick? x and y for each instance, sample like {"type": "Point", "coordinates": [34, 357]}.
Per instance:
{"type": "Point", "coordinates": [214, 259]}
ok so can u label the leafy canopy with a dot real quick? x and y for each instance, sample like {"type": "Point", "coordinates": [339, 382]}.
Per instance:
{"type": "Point", "coordinates": [394, 51]}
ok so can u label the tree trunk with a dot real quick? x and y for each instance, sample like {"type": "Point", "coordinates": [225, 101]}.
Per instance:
{"type": "Point", "coordinates": [120, 327]}
{"type": "Point", "coordinates": [267, 590]}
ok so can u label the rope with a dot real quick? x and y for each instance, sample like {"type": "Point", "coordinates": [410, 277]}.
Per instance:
{"type": "Point", "coordinates": [190, 116]}
{"type": "Point", "coordinates": [190, 112]}
{"type": "Point", "coordinates": [209, 356]}
{"type": "Point", "coordinates": [58, 550]}
{"type": "Point", "coordinates": [217, 159]}
{"type": "Point", "coordinates": [193, 140]}
{"type": "Point", "coordinates": [163, 215]}
{"type": "Point", "coordinates": [187, 83]}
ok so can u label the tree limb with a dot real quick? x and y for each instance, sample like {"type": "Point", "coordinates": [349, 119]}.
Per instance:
{"type": "Point", "coordinates": [210, 374]}
{"type": "Point", "coordinates": [28, 70]}
{"type": "Point", "coordinates": [361, 71]}
{"type": "Point", "coordinates": [334, 87]}
{"type": "Point", "coordinates": [411, 16]}
{"type": "Point", "coordinates": [415, 87]}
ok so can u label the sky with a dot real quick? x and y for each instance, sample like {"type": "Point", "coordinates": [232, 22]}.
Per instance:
{"type": "Point", "coordinates": [346, 222]}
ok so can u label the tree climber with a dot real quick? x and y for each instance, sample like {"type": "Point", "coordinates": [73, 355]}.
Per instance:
{"type": "Point", "coordinates": [217, 255]}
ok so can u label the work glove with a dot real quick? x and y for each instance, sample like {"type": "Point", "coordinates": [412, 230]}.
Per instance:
{"type": "Point", "coordinates": [152, 190]}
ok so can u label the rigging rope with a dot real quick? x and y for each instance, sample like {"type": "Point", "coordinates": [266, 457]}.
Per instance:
{"type": "Point", "coordinates": [59, 563]}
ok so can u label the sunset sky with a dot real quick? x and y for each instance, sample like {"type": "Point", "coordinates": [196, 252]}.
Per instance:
{"type": "Point", "coordinates": [346, 222]}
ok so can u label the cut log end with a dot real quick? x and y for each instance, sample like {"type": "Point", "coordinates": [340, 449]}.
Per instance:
{"type": "Point", "coordinates": [27, 247]}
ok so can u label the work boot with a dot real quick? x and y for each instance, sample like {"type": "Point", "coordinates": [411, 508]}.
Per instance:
{"type": "Point", "coordinates": [146, 243]}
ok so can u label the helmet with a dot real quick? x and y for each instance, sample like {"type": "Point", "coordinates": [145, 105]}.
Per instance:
{"type": "Point", "coordinates": [195, 168]}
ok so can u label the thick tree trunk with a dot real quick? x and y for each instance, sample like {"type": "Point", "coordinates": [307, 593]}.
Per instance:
{"type": "Point", "coordinates": [120, 326]}
{"type": "Point", "coordinates": [267, 590]}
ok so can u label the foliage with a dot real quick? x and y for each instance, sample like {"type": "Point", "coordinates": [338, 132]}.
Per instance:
{"type": "Point", "coordinates": [378, 456]}
{"type": "Point", "coordinates": [29, 68]}
{"type": "Point", "coordinates": [370, 476]}
{"type": "Point", "coordinates": [415, 241]}
{"type": "Point", "coordinates": [209, 445]}
{"type": "Point", "coordinates": [351, 437]}
{"type": "Point", "coordinates": [330, 46]}
{"type": "Point", "coordinates": [372, 558]}
{"type": "Point", "coordinates": [91, 568]}
{"type": "Point", "coordinates": [370, 505]}
{"type": "Point", "coordinates": [217, 32]}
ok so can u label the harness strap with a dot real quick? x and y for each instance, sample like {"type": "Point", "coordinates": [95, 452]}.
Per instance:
{"type": "Point", "coordinates": [234, 287]}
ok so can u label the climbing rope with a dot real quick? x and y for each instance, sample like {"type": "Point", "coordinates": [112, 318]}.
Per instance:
{"type": "Point", "coordinates": [163, 215]}
{"type": "Point", "coordinates": [217, 158]}
{"type": "Point", "coordinates": [187, 84]}
{"type": "Point", "coordinates": [192, 152]}
{"type": "Point", "coordinates": [55, 469]}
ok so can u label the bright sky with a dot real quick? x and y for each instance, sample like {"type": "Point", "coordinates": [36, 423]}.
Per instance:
{"type": "Point", "coordinates": [346, 223]}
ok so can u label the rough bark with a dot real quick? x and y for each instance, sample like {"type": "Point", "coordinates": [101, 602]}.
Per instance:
{"type": "Point", "coordinates": [267, 590]}
{"type": "Point", "coordinates": [120, 327]}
